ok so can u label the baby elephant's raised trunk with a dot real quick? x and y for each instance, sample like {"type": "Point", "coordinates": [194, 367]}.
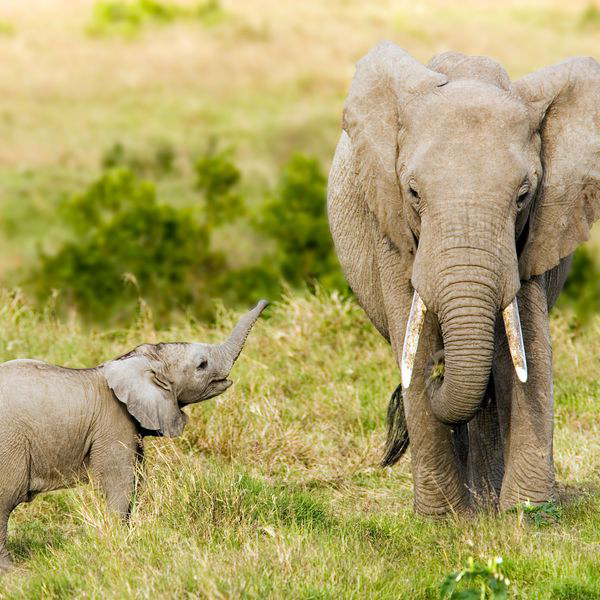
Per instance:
{"type": "Point", "coordinates": [234, 344]}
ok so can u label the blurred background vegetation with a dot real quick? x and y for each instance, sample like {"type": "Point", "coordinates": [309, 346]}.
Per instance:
{"type": "Point", "coordinates": [168, 155]}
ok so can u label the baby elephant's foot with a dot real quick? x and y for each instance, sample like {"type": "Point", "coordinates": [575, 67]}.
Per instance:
{"type": "Point", "coordinates": [5, 564]}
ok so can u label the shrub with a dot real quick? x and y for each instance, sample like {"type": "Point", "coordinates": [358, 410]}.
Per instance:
{"type": "Point", "coordinates": [217, 178]}
{"type": "Point", "coordinates": [123, 235]}
{"type": "Point", "coordinates": [295, 218]}
{"type": "Point", "coordinates": [126, 247]}
{"type": "Point", "coordinates": [581, 294]}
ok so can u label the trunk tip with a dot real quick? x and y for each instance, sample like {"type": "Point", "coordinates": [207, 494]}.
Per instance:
{"type": "Point", "coordinates": [261, 305]}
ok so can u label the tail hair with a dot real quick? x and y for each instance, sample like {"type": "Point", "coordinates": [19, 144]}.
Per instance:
{"type": "Point", "coordinates": [397, 432]}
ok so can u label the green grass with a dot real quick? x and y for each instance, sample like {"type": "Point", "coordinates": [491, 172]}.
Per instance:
{"type": "Point", "coordinates": [274, 489]}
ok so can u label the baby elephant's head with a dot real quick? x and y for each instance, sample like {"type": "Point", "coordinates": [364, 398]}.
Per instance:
{"type": "Point", "coordinates": [155, 381]}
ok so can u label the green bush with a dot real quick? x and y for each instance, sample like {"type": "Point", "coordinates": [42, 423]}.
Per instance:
{"type": "Point", "coordinates": [217, 177]}
{"type": "Point", "coordinates": [126, 248]}
{"type": "Point", "coordinates": [581, 294]}
{"type": "Point", "coordinates": [123, 235]}
{"type": "Point", "coordinates": [295, 218]}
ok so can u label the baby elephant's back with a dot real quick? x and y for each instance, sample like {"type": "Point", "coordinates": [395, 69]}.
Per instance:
{"type": "Point", "coordinates": [45, 393]}
{"type": "Point", "coordinates": [49, 409]}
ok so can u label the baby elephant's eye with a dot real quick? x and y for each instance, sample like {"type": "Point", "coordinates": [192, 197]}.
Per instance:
{"type": "Point", "coordinates": [203, 364]}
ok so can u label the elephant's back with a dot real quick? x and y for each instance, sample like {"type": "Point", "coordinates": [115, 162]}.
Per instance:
{"type": "Point", "coordinates": [41, 389]}
{"type": "Point", "coordinates": [48, 415]}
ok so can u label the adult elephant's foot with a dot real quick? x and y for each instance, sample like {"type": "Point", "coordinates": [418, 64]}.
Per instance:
{"type": "Point", "coordinates": [440, 494]}
{"type": "Point", "coordinates": [532, 483]}
{"type": "Point", "coordinates": [439, 476]}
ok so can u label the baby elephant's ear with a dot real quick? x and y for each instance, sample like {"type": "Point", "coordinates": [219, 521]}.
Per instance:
{"type": "Point", "coordinates": [138, 382]}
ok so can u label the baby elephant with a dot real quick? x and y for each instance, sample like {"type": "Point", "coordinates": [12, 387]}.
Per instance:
{"type": "Point", "coordinates": [58, 424]}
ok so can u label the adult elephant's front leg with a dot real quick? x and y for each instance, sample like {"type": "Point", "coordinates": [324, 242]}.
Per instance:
{"type": "Point", "coordinates": [439, 478]}
{"type": "Point", "coordinates": [526, 409]}
{"type": "Point", "coordinates": [439, 474]}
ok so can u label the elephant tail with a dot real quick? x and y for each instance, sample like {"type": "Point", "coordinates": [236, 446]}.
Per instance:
{"type": "Point", "coordinates": [397, 432]}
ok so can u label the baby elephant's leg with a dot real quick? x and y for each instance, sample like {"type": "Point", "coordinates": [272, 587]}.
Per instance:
{"type": "Point", "coordinates": [5, 562]}
{"type": "Point", "coordinates": [14, 489]}
{"type": "Point", "coordinates": [115, 465]}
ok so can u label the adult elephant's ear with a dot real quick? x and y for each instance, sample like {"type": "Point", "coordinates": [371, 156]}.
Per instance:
{"type": "Point", "coordinates": [140, 383]}
{"type": "Point", "coordinates": [386, 79]}
{"type": "Point", "coordinates": [564, 102]}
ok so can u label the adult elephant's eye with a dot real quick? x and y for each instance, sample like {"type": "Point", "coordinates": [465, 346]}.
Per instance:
{"type": "Point", "coordinates": [413, 191]}
{"type": "Point", "coordinates": [522, 195]}
{"type": "Point", "coordinates": [203, 364]}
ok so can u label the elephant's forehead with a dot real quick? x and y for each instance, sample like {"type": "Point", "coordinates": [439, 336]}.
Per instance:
{"type": "Point", "coordinates": [469, 106]}
{"type": "Point", "coordinates": [198, 350]}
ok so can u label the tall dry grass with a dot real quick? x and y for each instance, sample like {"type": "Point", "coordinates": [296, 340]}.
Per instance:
{"type": "Point", "coordinates": [274, 488]}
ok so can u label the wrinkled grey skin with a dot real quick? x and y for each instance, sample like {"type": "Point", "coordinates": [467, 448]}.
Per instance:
{"type": "Point", "coordinates": [58, 425]}
{"type": "Point", "coordinates": [451, 180]}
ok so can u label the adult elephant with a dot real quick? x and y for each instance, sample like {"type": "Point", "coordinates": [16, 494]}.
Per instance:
{"type": "Point", "coordinates": [456, 196]}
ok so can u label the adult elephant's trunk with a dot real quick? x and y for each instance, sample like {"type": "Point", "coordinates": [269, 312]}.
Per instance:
{"type": "Point", "coordinates": [234, 344]}
{"type": "Point", "coordinates": [512, 325]}
{"type": "Point", "coordinates": [467, 316]}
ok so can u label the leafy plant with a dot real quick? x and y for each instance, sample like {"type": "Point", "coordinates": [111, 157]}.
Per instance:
{"type": "Point", "coordinates": [217, 177]}
{"type": "Point", "coordinates": [294, 217]}
{"type": "Point", "coordinates": [543, 514]}
{"type": "Point", "coordinates": [127, 245]}
{"type": "Point", "coordinates": [581, 294]}
{"type": "Point", "coordinates": [491, 582]}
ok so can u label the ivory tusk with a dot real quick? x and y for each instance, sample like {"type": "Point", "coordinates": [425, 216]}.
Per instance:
{"type": "Point", "coordinates": [512, 325]}
{"type": "Point", "coordinates": [411, 338]}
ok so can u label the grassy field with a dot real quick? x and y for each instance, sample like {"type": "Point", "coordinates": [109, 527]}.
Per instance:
{"type": "Point", "coordinates": [275, 489]}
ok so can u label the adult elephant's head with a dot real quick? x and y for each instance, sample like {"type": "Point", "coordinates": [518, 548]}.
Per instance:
{"type": "Point", "coordinates": [488, 182]}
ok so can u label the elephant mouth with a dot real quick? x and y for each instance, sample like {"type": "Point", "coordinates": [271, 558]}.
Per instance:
{"type": "Point", "coordinates": [216, 387]}
{"type": "Point", "coordinates": [434, 372]}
